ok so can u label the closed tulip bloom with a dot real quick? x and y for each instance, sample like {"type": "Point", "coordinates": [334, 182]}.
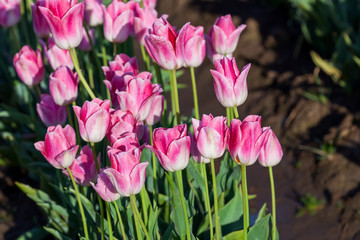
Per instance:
{"type": "Point", "coordinates": [122, 64]}
{"type": "Point", "coordinates": [191, 44]}
{"type": "Point", "coordinates": [156, 110]}
{"type": "Point", "coordinates": [210, 138]}
{"type": "Point", "coordinates": [172, 147]}
{"type": "Point", "coordinates": [162, 45]}
{"type": "Point", "coordinates": [127, 173]}
{"type": "Point", "coordinates": [85, 41]}
{"type": "Point", "coordinates": [93, 119]}
{"type": "Point", "coordinates": [59, 147]}
{"type": "Point", "coordinates": [56, 56]}
{"type": "Point", "coordinates": [93, 12]}
{"type": "Point", "coordinates": [40, 25]}
{"type": "Point", "coordinates": [29, 66]}
{"type": "Point", "coordinates": [246, 140]}
{"type": "Point", "coordinates": [125, 143]}
{"type": "Point", "coordinates": [65, 19]}
{"type": "Point", "coordinates": [271, 151]}
{"type": "Point", "coordinates": [105, 188]}
{"type": "Point", "coordinates": [83, 168]}
{"type": "Point", "coordinates": [64, 85]}
{"type": "Point", "coordinates": [118, 21]}
{"type": "Point", "coordinates": [143, 20]}
{"type": "Point", "coordinates": [229, 83]}
{"type": "Point", "coordinates": [9, 12]}
{"type": "Point", "coordinates": [49, 112]}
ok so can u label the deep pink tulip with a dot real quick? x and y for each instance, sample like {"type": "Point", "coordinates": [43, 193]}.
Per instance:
{"type": "Point", "coordinates": [125, 143]}
{"type": "Point", "coordinates": [49, 112]}
{"type": "Point", "coordinates": [85, 41]}
{"type": "Point", "coordinates": [59, 147]}
{"type": "Point", "coordinates": [156, 110]}
{"type": "Point", "coordinates": [138, 97]}
{"type": "Point", "coordinates": [210, 138]}
{"type": "Point", "coordinates": [94, 119]}
{"type": "Point", "coordinates": [246, 140]}
{"type": "Point", "coordinates": [172, 147]}
{"type": "Point", "coordinates": [122, 64]}
{"type": "Point", "coordinates": [64, 85]}
{"type": "Point", "coordinates": [163, 46]}
{"type": "Point", "coordinates": [93, 12]}
{"type": "Point", "coordinates": [83, 168]}
{"type": "Point", "coordinates": [29, 66]}
{"type": "Point", "coordinates": [191, 42]}
{"type": "Point", "coordinates": [40, 25]}
{"type": "Point", "coordinates": [127, 173]}
{"type": "Point", "coordinates": [55, 55]}
{"type": "Point", "coordinates": [105, 188]}
{"type": "Point", "coordinates": [223, 37]}
{"type": "Point", "coordinates": [118, 21]}
{"type": "Point", "coordinates": [9, 12]}
{"type": "Point", "coordinates": [143, 20]}
{"type": "Point", "coordinates": [271, 151]}
{"type": "Point", "coordinates": [229, 83]}
{"type": "Point", "coordinates": [65, 19]}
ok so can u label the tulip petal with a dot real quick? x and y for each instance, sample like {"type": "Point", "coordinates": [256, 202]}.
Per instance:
{"type": "Point", "coordinates": [97, 125]}
{"type": "Point", "coordinates": [224, 89]}
{"type": "Point", "coordinates": [72, 23]}
{"type": "Point", "coordinates": [178, 153]}
{"type": "Point", "coordinates": [66, 158]}
{"type": "Point", "coordinates": [121, 182]}
{"type": "Point", "coordinates": [161, 50]}
{"type": "Point", "coordinates": [233, 38]}
{"type": "Point", "coordinates": [137, 177]}
{"type": "Point", "coordinates": [210, 142]}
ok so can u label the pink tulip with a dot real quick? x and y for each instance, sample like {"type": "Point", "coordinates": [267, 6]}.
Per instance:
{"type": "Point", "coordinates": [271, 151]}
{"type": "Point", "coordinates": [49, 112]}
{"type": "Point", "coordinates": [40, 25]}
{"type": "Point", "coordinates": [125, 143]}
{"type": "Point", "coordinates": [29, 66]}
{"type": "Point", "coordinates": [163, 46]}
{"type": "Point", "coordinates": [210, 138]}
{"type": "Point", "coordinates": [118, 21]}
{"type": "Point", "coordinates": [93, 12]}
{"type": "Point", "coordinates": [127, 174]}
{"type": "Point", "coordinates": [122, 64]}
{"type": "Point", "coordinates": [94, 119]}
{"type": "Point", "coordinates": [143, 20]}
{"type": "Point", "coordinates": [85, 41]}
{"type": "Point", "coordinates": [59, 147]}
{"type": "Point", "coordinates": [138, 96]}
{"type": "Point", "coordinates": [55, 55]}
{"type": "Point", "coordinates": [223, 37]}
{"type": "Point", "coordinates": [229, 83]}
{"type": "Point", "coordinates": [64, 85]}
{"type": "Point", "coordinates": [246, 140]}
{"type": "Point", "coordinates": [172, 147]}
{"type": "Point", "coordinates": [9, 12]}
{"type": "Point", "coordinates": [105, 188]}
{"type": "Point", "coordinates": [156, 110]}
{"type": "Point", "coordinates": [83, 168]}
{"type": "Point", "coordinates": [65, 19]}
{"type": "Point", "coordinates": [191, 42]}
{"type": "Point", "coordinates": [149, 3]}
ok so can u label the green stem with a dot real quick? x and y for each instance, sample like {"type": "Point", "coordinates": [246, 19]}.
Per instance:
{"type": "Point", "coordinates": [172, 96]}
{"type": "Point", "coordinates": [236, 113]}
{"type": "Point", "coordinates": [24, 23]}
{"type": "Point", "coordinates": [120, 221]}
{"type": "Point", "coordinates": [90, 72]}
{"type": "Point", "coordinates": [69, 116]}
{"type": "Point", "coordinates": [145, 58]}
{"type": "Point", "coordinates": [182, 198]}
{"type": "Point", "coordinates": [176, 97]}
{"type": "Point", "coordinates": [228, 116]}
{"type": "Point", "coordinates": [76, 127]}
{"type": "Point", "coordinates": [95, 157]}
{"type": "Point", "coordinates": [245, 200]}
{"type": "Point", "coordinates": [196, 105]}
{"type": "Point", "coordinates": [114, 49]}
{"type": "Point", "coordinates": [103, 49]}
{"type": "Point", "coordinates": [15, 38]}
{"type": "Point", "coordinates": [158, 74]}
{"type": "Point", "coordinates": [38, 91]}
{"type": "Point", "coordinates": [80, 204]}
{"type": "Point", "coordinates": [217, 222]}
{"type": "Point", "coordinates": [138, 217]}
{"type": "Point", "coordinates": [75, 60]}
{"type": "Point", "coordinates": [143, 205]}
{"type": "Point", "coordinates": [273, 203]}
{"type": "Point", "coordinates": [154, 166]}
{"type": "Point", "coordinates": [207, 200]}
{"type": "Point", "coordinates": [109, 220]}
{"type": "Point", "coordinates": [101, 217]}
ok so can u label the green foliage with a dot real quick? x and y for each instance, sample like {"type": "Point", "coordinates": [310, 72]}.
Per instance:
{"type": "Point", "coordinates": [311, 205]}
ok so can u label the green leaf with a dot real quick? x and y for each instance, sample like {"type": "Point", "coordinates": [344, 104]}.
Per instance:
{"type": "Point", "coordinates": [260, 230]}
{"type": "Point", "coordinates": [56, 234]}
{"type": "Point", "coordinates": [261, 213]}
{"type": "Point", "coordinates": [36, 233]}
{"type": "Point", "coordinates": [87, 205]}
{"type": "Point", "coordinates": [238, 235]}
{"type": "Point", "coordinates": [231, 214]}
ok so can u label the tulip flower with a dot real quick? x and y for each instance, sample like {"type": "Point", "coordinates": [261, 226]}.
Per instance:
{"type": "Point", "coordinates": [93, 12]}
{"type": "Point", "coordinates": [127, 173]}
{"type": "Point", "coordinates": [223, 37]}
{"type": "Point", "coordinates": [271, 151]}
{"type": "Point", "coordinates": [85, 41]}
{"type": "Point", "coordinates": [65, 19]}
{"type": "Point", "coordinates": [122, 64]}
{"type": "Point", "coordinates": [156, 110]}
{"type": "Point", "coordinates": [9, 12]}
{"type": "Point", "coordinates": [162, 45]}
{"type": "Point", "coordinates": [210, 138]}
{"type": "Point", "coordinates": [93, 119]}
{"type": "Point", "coordinates": [49, 112]}
{"type": "Point", "coordinates": [59, 147]}
{"type": "Point", "coordinates": [118, 21]}
{"type": "Point", "coordinates": [149, 3]}
{"type": "Point", "coordinates": [83, 168]}
{"type": "Point", "coordinates": [229, 83]}
{"type": "Point", "coordinates": [191, 42]}
{"type": "Point", "coordinates": [143, 20]}
{"type": "Point", "coordinates": [125, 143]}
{"type": "Point", "coordinates": [172, 147]}
{"type": "Point", "coordinates": [40, 25]}
{"type": "Point", "coordinates": [105, 188]}
{"type": "Point", "coordinates": [29, 66]}
{"type": "Point", "coordinates": [246, 139]}
{"type": "Point", "coordinates": [64, 85]}
{"type": "Point", "coordinates": [55, 55]}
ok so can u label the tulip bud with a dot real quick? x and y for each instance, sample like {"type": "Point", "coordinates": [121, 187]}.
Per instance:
{"type": "Point", "coordinates": [9, 12]}
{"type": "Point", "coordinates": [56, 56]}
{"type": "Point", "coordinates": [271, 152]}
{"type": "Point", "coordinates": [85, 41]}
{"type": "Point", "coordinates": [93, 12]}
{"type": "Point", "coordinates": [40, 25]}
{"type": "Point", "coordinates": [105, 188]}
{"type": "Point", "coordinates": [49, 112]}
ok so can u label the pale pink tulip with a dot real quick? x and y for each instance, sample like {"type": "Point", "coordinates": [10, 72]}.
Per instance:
{"type": "Point", "coordinates": [125, 143]}
{"type": "Point", "coordinates": [105, 188]}
{"type": "Point", "coordinates": [40, 25]}
{"type": "Point", "coordinates": [49, 112]}
{"type": "Point", "coordinates": [9, 12]}
{"type": "Point", "coordinates": [143, 20]}
{"type": "Point", "coordinates": [85, 41]}
{"type": "Point", "coordinates": [55, 55]}
{"type": "Point", "coordinates": [149, 3]}
{"type": "Point", "coordinates": [271, 151]}
{"type": "Point", "coordinates": [156, 110]}
{"type": "Point", "coordinates": [93, 12]}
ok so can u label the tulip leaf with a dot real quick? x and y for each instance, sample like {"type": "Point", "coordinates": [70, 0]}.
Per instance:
{"type": "Point", "coordinates": [231, 214]}
{"type": "Point", "coordinates": [87, 205]}
{"type": "Point", "coordinates": [37, 233]}
{"type": "Point", "coordinates": [237, 235]}
{"type": "Point", "coordinates": [196, 174]}
{"type": "Point", "coordinates": [261, 213]}
{"type": "Point", "coordinates": [260, 230]}
{"type": "Point", "coordinates": [56, 234]}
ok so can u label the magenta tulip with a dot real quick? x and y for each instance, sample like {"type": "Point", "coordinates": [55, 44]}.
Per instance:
{"type": "Point", "coordinates": [65, 19]}
{"type": "Point", "coordinates": [55, 55]}
{"type": "Point", "coordinates": [271, 151]}
{"type": "Point", "coordinates": [93, 12]}
{"type": "Point", "coordinates": [49, 112]}
{"type": "Point", "coordinates": [122, 64]}
{"type": "Point", "coordinates": [229, 83]}
{"type": "Point", "coordinates": [40, 25]}
{"type": "Point", "coordinates": [172, 147]}
{"type": "Point", "coordinates": [125, 143]}
{"type": "Point", "coordinates": [105, 188]}
{"type": "Point", "coordinates": [143, 20]}
{"type": "Point", "coordinates": [29, 66]}
{"type": "Point", "coordinates": [59, 147]}
{"type": "Point", "coordinates": [93, 119]}
{"type": "Point", "coordinates": [9, 12]}
{"type": "Point", "coordinates": [64, 85]}
{"type": "Point", "coordinates": [85, 41]}
{"type": "Point", "coordinates": [156, 110]}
